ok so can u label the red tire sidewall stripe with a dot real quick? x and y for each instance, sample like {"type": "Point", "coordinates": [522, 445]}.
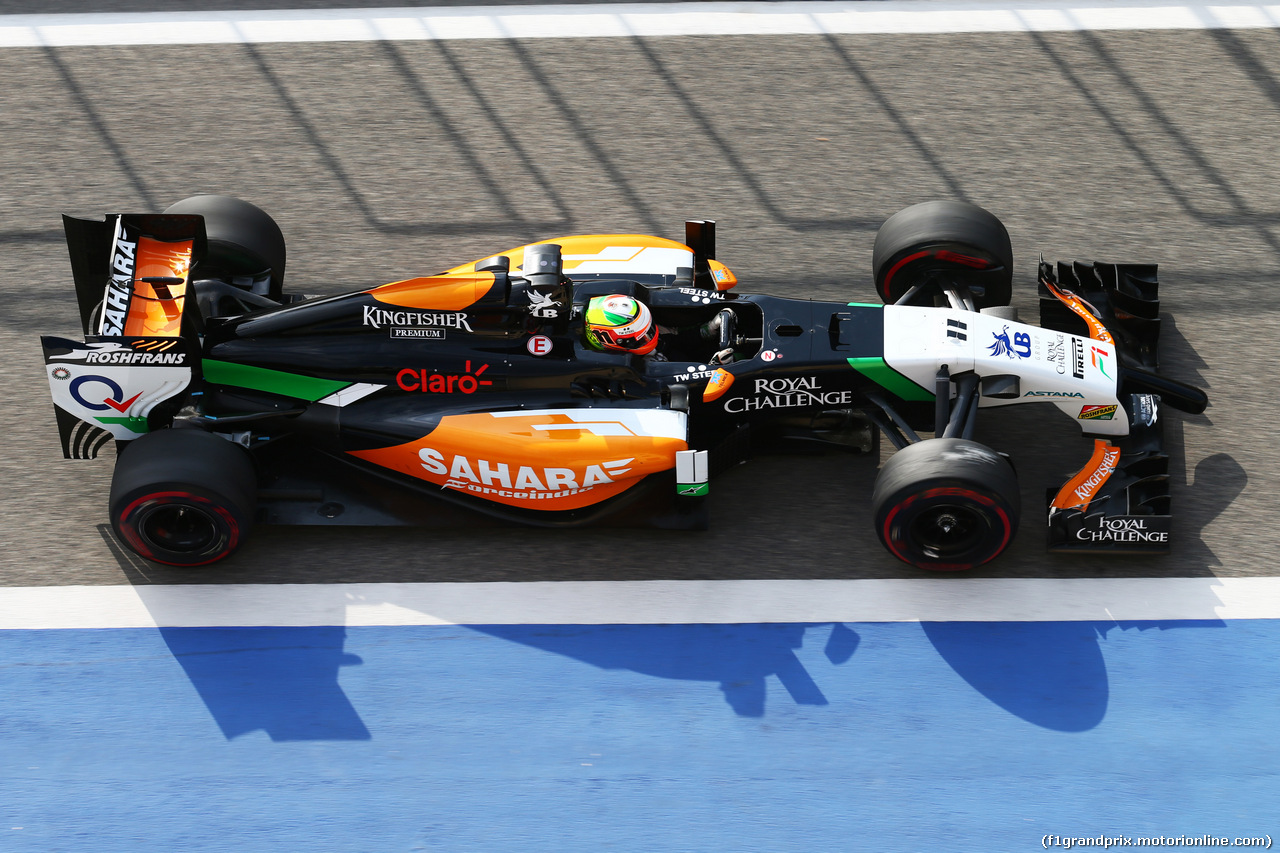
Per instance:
{"type": "Point", "coordinates": [945, 492]}
{"type": "Point", "coordinates": [894, 269]}
{"type": "Point", "coordinates": [135, 541]}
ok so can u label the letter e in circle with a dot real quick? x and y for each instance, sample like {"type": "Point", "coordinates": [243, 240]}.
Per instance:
{"type": "Point", "coordinates": [539, 345]}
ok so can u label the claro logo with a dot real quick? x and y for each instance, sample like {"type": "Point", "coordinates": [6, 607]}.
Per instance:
{"type": "Point", "coordinates": [484, 477]}
{"type": "Point", "coordinates": [411, 379]}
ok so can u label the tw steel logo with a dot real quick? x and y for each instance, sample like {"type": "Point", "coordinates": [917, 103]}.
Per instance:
{"type": "Point", "coordinates": [420, 380]}
{"type": "Point", "coordinates": [115, 307]}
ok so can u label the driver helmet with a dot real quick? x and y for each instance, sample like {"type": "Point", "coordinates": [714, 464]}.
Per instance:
{"type": "Point", "coordinates": [619, 323]}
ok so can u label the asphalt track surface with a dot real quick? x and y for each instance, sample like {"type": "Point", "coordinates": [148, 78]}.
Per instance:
{"type": "Point", "coordinates": [386, 160]}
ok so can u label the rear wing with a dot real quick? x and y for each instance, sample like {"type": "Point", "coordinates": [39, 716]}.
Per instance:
{"type": "Point", "coordinates": [131, 271]}
{"type": "Point", "coordinates": [131, 275]}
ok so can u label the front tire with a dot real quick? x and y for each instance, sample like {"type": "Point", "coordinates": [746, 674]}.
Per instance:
{"type": "Point", "coordinates": [183, 497]}
{"type": "Point", "coordinates": [943, 242]}
{"type": "Point", "coordinates": [946, 504]}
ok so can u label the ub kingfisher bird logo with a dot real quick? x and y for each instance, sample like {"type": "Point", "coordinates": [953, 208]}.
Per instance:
{"type": "Point", "coordinates": [1019, 347]}
{"type": "Point", "coordinates": [542, 305]}
{"type": "Point", "coordinates": [1002, 345]}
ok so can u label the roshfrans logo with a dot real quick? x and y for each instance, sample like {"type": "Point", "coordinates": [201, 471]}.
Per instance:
{"type": "Point", "coordinates": [150, 351]}
{"type": "Point", "coordinates": [378, 317]}
{"type": "Point", "coordinates": [480, 476]}
{"type": "Point", "coordinates": [421, 380]}
{"type": "Point", "coordinates": [1097, 413]}
{"type": "Point", "coordinates": [786, 393]}
{"type": "Point", "coordinates": [115, 306]}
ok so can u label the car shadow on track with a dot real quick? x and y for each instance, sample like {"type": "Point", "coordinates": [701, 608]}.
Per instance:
{"type": "Point", "coordinates": [738, 658]}
{"type": "Point", "coordinates": [284, 681]}
{"type": "Point", "coordinates": [279, 680]}
{"type": "Point", "coordinates": [1050, 674]}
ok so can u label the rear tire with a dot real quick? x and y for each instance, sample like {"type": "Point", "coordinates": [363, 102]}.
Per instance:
{"type": "Point", "coordinates": [946, 504]}
{"type": "Point", "coordinates": [944, 240]}
{"type": "Point", "coordinates": [183, 497]}
{"type": "Point", "coordinates": [245, 243]}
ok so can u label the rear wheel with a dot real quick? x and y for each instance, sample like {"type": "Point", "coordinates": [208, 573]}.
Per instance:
{"type": "Point", "coordinates": [946, 504]}
{"type": "Point", "coordinates": [245, 245]}
{"type": "Point", "coordinates": [183, 497]}
{"type": "Point", "coordinates": [943, 243]}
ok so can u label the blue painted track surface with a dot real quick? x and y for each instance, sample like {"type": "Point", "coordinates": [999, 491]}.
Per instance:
{"type": "Point", "coordinates": [882, 736]}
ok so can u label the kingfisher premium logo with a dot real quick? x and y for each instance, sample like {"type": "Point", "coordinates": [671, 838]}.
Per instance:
{"type": "Point", "coordinates": [378, 318]}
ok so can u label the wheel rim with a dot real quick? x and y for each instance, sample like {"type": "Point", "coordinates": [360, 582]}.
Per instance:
{"type": "Point", "coordinates": [948, 532]}
{"type": "Point", "coordinates": [178, 529]}
{"type": "Point", "coordinates": [947, 529]}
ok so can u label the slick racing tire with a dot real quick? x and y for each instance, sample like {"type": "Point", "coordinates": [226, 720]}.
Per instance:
{"type": "Point", "coordinates": [246, 246]}
{"type": "Point", "coordinates": [946, 504]}
{"type": "Point", "coordinates": [943, 241]}
{"type": "Point", "coordinates": [183, 497]}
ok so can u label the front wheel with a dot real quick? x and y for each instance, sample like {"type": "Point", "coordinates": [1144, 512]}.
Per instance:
{"type": "Point", "coordinates": [183, 497]}
{"type": "Point", "coordinates": [946, 504]}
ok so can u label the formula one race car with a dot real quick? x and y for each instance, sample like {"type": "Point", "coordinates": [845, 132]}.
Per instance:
{"type": "Point", "coordinates": [593, 380]}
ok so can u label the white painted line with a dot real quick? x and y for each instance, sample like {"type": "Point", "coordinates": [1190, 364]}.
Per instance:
{"type": "Point", "coordinates": [836, 17]}
{"type": "Point", "coordinates": [641, 602]}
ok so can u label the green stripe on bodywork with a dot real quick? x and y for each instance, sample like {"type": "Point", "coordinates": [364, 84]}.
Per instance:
{"type": "Point", "coordinates": [271, 381]}
{"type": "Point", "coordinates": [865, 305]}
{"type": "Point", "coordinates": [886, 377]}
{"type": "Point", "coordinates": [138, 425]}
